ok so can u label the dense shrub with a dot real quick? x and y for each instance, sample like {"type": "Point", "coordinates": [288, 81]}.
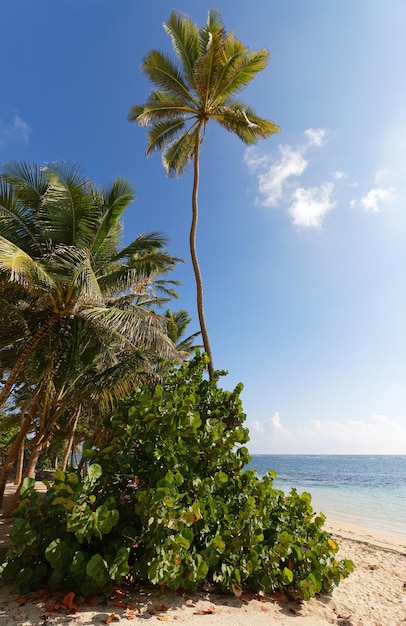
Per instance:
{"type": "Point", "coordinates": [169, 501]}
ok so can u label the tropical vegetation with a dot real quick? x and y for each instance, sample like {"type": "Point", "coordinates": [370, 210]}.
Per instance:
{"type": "Point", "coordinates": [200, 85]}
{"type": "Point", "coordinates": [79, 322]}
{"type": "Point", "coordinates": [169, 500]}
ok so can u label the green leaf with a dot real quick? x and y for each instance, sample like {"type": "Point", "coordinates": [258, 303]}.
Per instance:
{"type": "Point", "coordinates": [97, 570]}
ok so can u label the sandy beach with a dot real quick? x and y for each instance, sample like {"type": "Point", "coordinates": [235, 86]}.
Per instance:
{"type": "Point", "coordinates": [374, 595]}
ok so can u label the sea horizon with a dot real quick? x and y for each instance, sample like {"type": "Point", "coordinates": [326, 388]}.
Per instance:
{"type": "Point", "coordinates": [365, 489]}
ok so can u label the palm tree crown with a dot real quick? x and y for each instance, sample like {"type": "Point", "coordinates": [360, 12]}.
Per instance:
{"type": "Point", "coordinates": [212, 67]}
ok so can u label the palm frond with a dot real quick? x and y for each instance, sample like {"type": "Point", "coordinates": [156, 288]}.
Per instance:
{"type": "Point", "coordinates": [113, 202]}
{"type": "Point", "coordinates": [164, 73]}
{"type": "Point", "coordinates": [18, 221]}
{"type": "Point", "coordinates": [242, 120]}
{"type": "Point", "coordinates": [177, 155]}
{"type": "Point", "coordinates": [209, 63]}
{"type": "Point", "coordinates": [28, 179]}
{"type": "Point", "coordinates": [134, 327]}
{"type": "Point", "coordinates": [161, 133]}
{"type": "Point", "coordinates": [68, 209]}
{"type": "Point", "coordinates": [164, 109]}
{"type": "Point", "coordinates": [239, 70]}
{"type": "Point", "coordinates": [20, 268]}
{"type": "Point", "coordinates": [185, 41]}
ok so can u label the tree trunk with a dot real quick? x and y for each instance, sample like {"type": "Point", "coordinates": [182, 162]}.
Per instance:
{"type": "Point", "coordinates": [70, 441]}
{"type": "Point", "coordinates": [13, 452]}
{"type": "Point", "coordinates": [37, 448]}
{"type": "Point", "coordinates": [24, 355]}
{"type": "Point", "coordinates": [20, 459]}
{"type": "Point", "coordinates": [193, 252]}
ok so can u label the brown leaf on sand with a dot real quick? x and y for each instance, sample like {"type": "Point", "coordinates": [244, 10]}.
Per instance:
{"type": "Point", "coordinates": [161, 607]}
{"type": "Point", "coordinates": [190, 602]}
{"type": "Point", "coordinates": [237, 591]}
{"type": "Point", "coordinates": [280, 597]}
{"type": "Point", "coordinates": [209, 611]}
{"type": "Point", "coordinates": [22, 600]}
{"type": "Point", "coordinates": [92, 601]}
{"type": "Point", "coordinates": [68, 603]}
{"type": "Point", "coordinates": [112, 618]}
{"type": "Point", "coordinates": [52, 608]}
{"type": "Point", "coordinates": [264, 608]}
{"type": "Point", "coordinates": [163, 618]}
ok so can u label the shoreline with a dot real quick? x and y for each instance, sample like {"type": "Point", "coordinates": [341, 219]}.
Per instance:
{"type": "Point", "coordinates": [373, 595]}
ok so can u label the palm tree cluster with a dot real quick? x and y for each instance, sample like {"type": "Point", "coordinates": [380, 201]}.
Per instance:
{"type": "Point", "coordinates": [79, 326]}
{"type": "Point", "coordinates": [211, 66]}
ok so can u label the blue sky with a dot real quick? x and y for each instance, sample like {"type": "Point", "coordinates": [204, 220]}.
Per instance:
{"type": "Point", "coordinates": [301, 239]}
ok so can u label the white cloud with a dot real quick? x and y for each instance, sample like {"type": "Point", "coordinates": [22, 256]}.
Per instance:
{"type": "Point", "coordinates": [316, 136]}
{"type": "Point", "coordinates": [276, 423]}
{"type": "Point", "coordinates": [339, 175]}
{"type": "Point", "coordinates": [271, 183]}
{"type": "Point", "coordinates": [372, 200]}
{"type": "Point", "coordinates": [376, 434]}
{"type": "Point", "coordinates": [276, 180]}
{"type": "Point", "coordinates": [256, 425]}
{"type": "Point", "coordinates": [311, 205]}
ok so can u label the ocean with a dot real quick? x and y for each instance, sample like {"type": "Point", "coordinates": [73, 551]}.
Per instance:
{"type": "Point", "coordinates": [366, 490]}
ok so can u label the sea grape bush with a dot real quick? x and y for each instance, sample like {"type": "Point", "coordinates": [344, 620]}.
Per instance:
{"type": "Point", "coordinates": [169, 501]}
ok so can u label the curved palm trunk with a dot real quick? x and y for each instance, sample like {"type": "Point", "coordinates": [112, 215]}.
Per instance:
{"type": "Point", "coordinates": [193, 252]}
{"type": "Point", "coordinates": [24, 355]}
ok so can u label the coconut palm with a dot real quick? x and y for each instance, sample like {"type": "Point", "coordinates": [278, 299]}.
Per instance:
{"type": "Point", "coordinates": [62, 268]}
{"type": "Point", "coordinates": [200, 85]}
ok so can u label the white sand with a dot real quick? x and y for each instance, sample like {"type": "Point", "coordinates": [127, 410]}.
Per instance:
{"type": "Point", "coordinates": [374, 595]}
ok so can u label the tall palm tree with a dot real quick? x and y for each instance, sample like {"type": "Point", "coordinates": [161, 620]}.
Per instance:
{"type": "Point", "coordinates": [211, 68]}
{"type": "Point", "coordinates": [62, 268]}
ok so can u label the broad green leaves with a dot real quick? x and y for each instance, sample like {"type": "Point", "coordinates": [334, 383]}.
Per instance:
{"type": "Point", "coordinates": [169, 501]}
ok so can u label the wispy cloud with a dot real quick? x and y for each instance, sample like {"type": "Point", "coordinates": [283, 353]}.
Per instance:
{"type": "Point", "coordinates": [278, 180]}
{"type": "Point", "coordinates": [375, 434]}
{"type": "Point", "coordinates": [13, 129]}
{"type": "Point", "coordinates": [339, 175]}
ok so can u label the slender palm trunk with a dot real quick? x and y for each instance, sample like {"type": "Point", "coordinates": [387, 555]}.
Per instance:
{"type": "Point", "coordinates": [24, 355]}
{"type": "Point", "coordinates": [20, 459]}
{"type": "Point", "coordinates": [70, 441]}
{"type": "Point", "coordinates": [16, 445]}
{"type": "Point", "coordinates": [193, 252]}
{"type": "Point", "coordinates": [39, 444]}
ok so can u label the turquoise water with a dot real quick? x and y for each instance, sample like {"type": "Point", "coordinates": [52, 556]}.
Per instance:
{"type": "Point", "coordinates": [366, 490]}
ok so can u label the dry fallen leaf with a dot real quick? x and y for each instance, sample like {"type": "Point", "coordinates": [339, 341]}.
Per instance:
{"type": "Point", "coordinates": [22, 600]}
{"type": "Point", "coordinates": [68, 601]}
{"type": "Point", "coordinates": [209, 611]}
{"type": "Point", "coordinates": [161, 607]}
{"type": "Point", "coordinates": [111, 618]}
{"type": "Point", "coordinates": [190, 602]}
{"type": "Point", "coordinates": [264, 608]}
{"type": "Point", "coordinates": [163, 618]}
{"type": "Point", "coordinates": [280, 597]}
{"type": "Point", "coordinates": [92, 601]}
{"type": "Point", "coordinates": [236, 590]}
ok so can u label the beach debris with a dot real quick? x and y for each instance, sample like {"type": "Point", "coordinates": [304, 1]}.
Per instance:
{"type": "Point", "coordinates": [113, 617]}
{"type": "Point", "coordinates": [237, 591]}
{"type": "Point", "coordinates": [210, 610]}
